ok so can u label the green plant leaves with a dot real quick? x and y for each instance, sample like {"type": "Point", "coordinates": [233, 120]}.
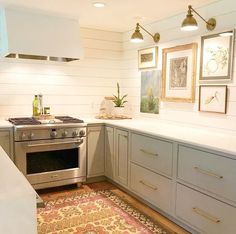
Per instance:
{"type": "Point", "coordinates": [119, 101]}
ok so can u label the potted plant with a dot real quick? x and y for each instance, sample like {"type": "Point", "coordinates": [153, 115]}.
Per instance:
{"type": "Point", "coordinates": [119, 102]}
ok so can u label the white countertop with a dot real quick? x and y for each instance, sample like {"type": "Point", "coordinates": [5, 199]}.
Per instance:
{"type": "Point", "coordinates": [216, 140]}
{"type": "Point", "coordinates": [212, 139]}
{"type": "Point", "coordinates": [17, 199]}
{"type": "Point", "coordinates": [13, 183]}
{"type": "Point", "coordinates": [5, 124]}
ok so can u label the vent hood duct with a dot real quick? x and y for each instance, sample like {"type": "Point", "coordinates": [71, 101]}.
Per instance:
{"type": "Point", "coordinates": [34, 35]}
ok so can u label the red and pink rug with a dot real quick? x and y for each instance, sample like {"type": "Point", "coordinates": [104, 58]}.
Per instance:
{"type": "Point", "coordinates": [96, 212]}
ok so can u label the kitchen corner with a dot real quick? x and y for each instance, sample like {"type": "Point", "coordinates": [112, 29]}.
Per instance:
{"type": "Point", "coordinates": [17, 199]}
{"type": "Point", "coordinates": [101, 135]}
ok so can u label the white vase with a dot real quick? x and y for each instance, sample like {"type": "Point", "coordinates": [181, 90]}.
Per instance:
{"type": "Point", "coordinates": [118, 111]}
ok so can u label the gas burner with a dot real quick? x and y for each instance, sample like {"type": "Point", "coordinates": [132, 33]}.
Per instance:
{"type": "Point", "coordinates": [68, 119]}
{"type": "Point", "coordinates": [24, 121]}
{"type": "Point", "coordinates": [56, 120]}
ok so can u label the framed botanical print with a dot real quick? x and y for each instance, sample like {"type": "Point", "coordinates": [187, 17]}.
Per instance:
{"type": "Point", "coordinates": [147, 58]}
{"type": "Point", "coordinates": [217, 56]}
{"type": "Point", "coordinates": [179, 73]}
{"type": "Point", "coordinates": [213, 98]}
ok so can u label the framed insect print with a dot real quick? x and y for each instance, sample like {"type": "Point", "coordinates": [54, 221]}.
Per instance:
{"type": "Point", "coordinates": [213, 98]}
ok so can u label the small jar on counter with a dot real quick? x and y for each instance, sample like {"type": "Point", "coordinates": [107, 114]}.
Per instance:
{"type": "Point", "coordinates": [46, 110]}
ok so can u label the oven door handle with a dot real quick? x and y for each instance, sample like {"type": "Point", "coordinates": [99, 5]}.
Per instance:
{"type": "Point", "coordinates": [78, 142]}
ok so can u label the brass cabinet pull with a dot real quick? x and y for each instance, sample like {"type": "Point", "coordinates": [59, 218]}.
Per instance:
{"type": "Point", "coordinates": [148, 185]}
{"type": "Point", "coordinates": [209, 173]}
{"type": "Point", "coordinates": [206, 215]}
{"type": "Point", "coordinates": [149, 153]}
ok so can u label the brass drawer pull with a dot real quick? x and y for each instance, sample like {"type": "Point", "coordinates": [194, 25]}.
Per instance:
{"type": "Point", "coordinates": [149, 153]}
{"type": "Point", "coordinates": [206, 215]}
{"type": "Point", "coordinates": [209, 173]}
{"type": "Point", "coordinates": [148, 185]}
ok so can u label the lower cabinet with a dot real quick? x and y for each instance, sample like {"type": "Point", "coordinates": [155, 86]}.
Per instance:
{"type": "Point", "coordinates": [121, 157]}
{"type": "Point", "coordinates": [6, 142]}
{"type": "Point", "coordinates": [109, 153]}
{"type": "Point", "coordinates": [192, 185]}
{"type": "Point", "coordinates": [208, 171]}
{"type": "Point", "coordinates": [95, 150]}
{"type": "Point", "coordinates": [204, 213]}
{"type": "Point", "coordinates": [154, 188]}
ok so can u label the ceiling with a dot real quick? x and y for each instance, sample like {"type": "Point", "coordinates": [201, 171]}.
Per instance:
{"type": "Point", "coordinates": [118, 15]}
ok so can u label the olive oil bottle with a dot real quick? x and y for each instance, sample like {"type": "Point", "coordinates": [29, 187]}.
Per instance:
{"type": "Point", "coordinates": [36, 106]}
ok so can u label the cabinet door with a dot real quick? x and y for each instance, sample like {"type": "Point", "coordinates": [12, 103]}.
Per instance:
{"type": "Point", "coordinates": [5, 142]}
{"type": "Point", "coordinates": [121, 157]}
{"type": "Point", "coordinates": [95, 151]}
{"type": "Point", "coordinates": [109, 152]}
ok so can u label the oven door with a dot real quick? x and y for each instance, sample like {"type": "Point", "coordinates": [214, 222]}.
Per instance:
{"type": "Point", "coordinates": [46, 161]}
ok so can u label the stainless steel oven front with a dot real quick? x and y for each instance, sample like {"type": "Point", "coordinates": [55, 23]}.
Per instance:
{"type": "Point", "coordinates": [52, 162]}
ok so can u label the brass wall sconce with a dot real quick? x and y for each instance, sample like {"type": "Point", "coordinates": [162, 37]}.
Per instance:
{"type": "Point", "coordinates": [138, 37]}
{"type": "Point", "coordinates": [190, 24]}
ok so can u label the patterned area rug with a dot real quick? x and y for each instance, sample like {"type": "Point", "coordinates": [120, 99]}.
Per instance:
{"type": "Point", "coordinates": [96, 212]}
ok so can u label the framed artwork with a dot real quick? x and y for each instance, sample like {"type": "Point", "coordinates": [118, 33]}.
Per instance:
{"type": "Point", "coordinates": [147, 58]}
{"type": "Point", "coordinates": [150, 91]}
{"type": "Point", "coordinates": [217, 56]}
{"type": "Point", "coordinates": [213, 98]}
{"type": "Point", "coordinates": [179, 73]}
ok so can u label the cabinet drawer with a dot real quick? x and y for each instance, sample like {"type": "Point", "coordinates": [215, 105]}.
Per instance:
{"type": "Point", "coordinates": [152, 153]}
{"type": "Point", "coordinates": [209, 171]}
{"type": "Point", "coordinates": [152, 187]}
{"type": "Point", "coordinates": [205, 213]}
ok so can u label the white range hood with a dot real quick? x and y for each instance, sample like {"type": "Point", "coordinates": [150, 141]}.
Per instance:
{"type": "Point", "coordinates": [33, 35]}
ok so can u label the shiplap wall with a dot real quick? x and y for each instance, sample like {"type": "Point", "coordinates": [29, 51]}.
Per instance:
{"type": "Point", "coordinates": [187, 113]}
{"type": "Point", "coordinates": [75, 88]}
{"type": "Point", "coordinates": [78, 88]}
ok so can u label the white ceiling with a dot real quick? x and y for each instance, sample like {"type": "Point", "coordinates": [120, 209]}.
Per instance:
{"type": "Point", "coordinates": [118, 15]}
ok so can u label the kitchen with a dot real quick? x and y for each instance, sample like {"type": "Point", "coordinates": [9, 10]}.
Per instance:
{"type": "Point", "coordinates": [77, 88]}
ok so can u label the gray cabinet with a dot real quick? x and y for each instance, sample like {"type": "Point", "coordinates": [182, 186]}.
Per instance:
{"type": "Point", "coordinates": [121, 156]}
{"type": "Point", "coordinates": [109, 153]}
{"type": "Point", "coordinates": [95, 160]}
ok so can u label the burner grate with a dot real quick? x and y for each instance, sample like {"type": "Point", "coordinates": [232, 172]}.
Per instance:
{"type": "Point", "coordinates": [68, 119]}
{"type": "Point", "coordinates": [24, 121]}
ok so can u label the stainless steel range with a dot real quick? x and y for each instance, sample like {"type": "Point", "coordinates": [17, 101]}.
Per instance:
{"type": "Point", "coordinates": [50, 154]}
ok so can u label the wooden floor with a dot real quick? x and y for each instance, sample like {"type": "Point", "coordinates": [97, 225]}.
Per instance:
{"type": "Point", "coordinates": [126, 197]}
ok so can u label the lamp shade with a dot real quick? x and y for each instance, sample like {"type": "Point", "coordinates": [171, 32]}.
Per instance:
{"type": "Point", "coordinates": [137, 36]}
{"type": "Point", "coordinates": [189, 23]}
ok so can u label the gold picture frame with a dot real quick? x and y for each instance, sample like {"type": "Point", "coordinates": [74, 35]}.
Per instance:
{"type": "Point", "coordinates": [179, 73]}
{"type": "Point", "coordinates": [147, 58]}
{"type": "Point", "coordinates": [213, 98]}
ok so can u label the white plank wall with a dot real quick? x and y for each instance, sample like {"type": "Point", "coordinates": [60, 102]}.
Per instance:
{"type": "Point", "coordinates": [75, 88]}
{"type": "Point", "coordinates": [183, 113]}
{"type": "Point", "coordinates": [78, 88]}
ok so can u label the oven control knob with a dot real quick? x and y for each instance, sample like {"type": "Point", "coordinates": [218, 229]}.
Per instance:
{"type": "Point", "coordinates": [82, 133]}
{"type": "Point", "coordinates": [64, 134]}
{"type": "Point", "coordinates": [53, 134]}
{"type": "Point", "coordinates": [75, 133]}
{"type": "Point", "coordinates": [31, 136]}
{"type": "Point", "coordinates": [23, 136]}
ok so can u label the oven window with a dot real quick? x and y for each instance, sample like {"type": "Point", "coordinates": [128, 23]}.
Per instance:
{"type": "Point", "coordinates": [52, 160]}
